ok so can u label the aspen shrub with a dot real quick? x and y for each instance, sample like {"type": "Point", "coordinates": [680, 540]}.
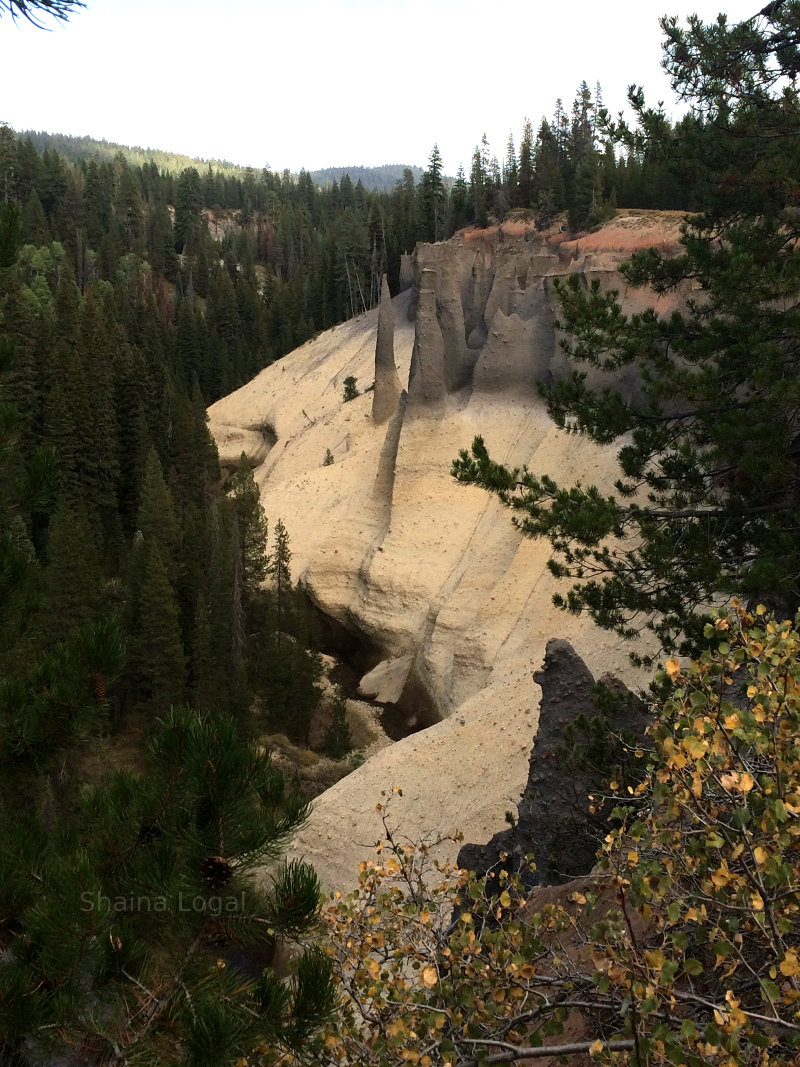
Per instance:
{"type": "Point", "coordinates": [682, 946]}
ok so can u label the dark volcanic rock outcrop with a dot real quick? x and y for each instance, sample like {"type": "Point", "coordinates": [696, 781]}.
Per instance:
{"type": "Point", "coordinates": [554, 822]}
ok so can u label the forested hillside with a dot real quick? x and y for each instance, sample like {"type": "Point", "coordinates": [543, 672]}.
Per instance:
{"type": "Point", "coordinates": [138, 580]}
{"type": "Point", "coordinates": [75, 149]}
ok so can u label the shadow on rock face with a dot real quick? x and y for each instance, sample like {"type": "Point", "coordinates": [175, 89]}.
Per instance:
{"type": "Point", "coordinates": [581, 725]}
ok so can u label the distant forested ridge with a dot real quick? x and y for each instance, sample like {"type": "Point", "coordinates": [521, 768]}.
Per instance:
{"type": "Point", "coordinates": [75, 149]}
{"type": "Point", "coordinates": [383, 178]}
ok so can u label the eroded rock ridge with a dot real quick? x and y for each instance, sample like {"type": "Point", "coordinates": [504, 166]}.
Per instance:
{"type": "Point", "coordinates": [450, 607]}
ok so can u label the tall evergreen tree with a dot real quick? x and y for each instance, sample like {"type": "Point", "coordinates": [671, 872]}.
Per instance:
{"type": "Point", "coordinates": [706, 504]}
{"type": "Point", "coordinates": [252, 529]}
{"type": "Point", "coordinates": [123, 918]}
{"type": "Point", "coordinates": [526, 169]}
{"type": "Point", "coordinates": [280, 572]}
{"type": "Point", "coordinates": [431, 199]}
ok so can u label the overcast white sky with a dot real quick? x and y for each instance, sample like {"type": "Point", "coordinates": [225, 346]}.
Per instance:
{"type": "Point", "coordinates": [316, 83]}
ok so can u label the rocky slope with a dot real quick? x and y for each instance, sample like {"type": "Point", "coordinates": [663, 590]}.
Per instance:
{"type": "Point", "coordinates": [427, 587]}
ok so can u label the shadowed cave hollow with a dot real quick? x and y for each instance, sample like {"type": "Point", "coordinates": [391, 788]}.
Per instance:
{"type": "Point", "coordinates": [357, 654]}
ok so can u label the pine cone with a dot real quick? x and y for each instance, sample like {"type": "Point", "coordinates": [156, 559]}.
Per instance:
{"type": "Point", "coordinates": [216, 871]}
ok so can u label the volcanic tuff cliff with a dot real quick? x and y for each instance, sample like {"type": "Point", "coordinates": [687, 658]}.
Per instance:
{"type": "Point", "coordinates": [427, 587]}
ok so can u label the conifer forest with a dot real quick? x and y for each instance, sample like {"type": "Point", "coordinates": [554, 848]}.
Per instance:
{"type": "Point", "coordinates": [153, 638]}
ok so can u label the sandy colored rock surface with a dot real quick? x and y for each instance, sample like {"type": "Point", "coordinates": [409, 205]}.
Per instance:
{"type": "Point", "coordinates": [413, 566]}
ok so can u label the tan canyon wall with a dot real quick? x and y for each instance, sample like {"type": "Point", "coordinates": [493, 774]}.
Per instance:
{"type": "Point", "coordinates": [451, 607]}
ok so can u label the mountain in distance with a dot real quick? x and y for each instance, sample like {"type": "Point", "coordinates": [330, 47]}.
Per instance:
{"type": "Point", "coordinates": [383, 178]}
{"type": "Point", "coordinates": [75, 148]}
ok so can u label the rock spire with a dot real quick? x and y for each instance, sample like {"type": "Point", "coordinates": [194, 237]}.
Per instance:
{"type": "Point", "coordinates": [387, 383]}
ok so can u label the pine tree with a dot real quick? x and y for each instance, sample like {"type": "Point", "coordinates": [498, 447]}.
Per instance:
{"type": "Point", "coordinates": [138, 932]}
{"type": "Point", "coordinates": [157, 659]}
{"type": "Point", "coordinates": [458, 206]}
{"type": "Point", "coordinates": [338, 739]}
{"type": "Point", "coordinates": [188, 209]}
{"type": "Point", "coordinates": [156, 653]}
{"type": "Point", "coordinates": [279, 570]}
{"type": "Point", "coordinates": [252, 527]}
{"type": "Point", "coordinates": [511, 174]}
{"type": "Point", "coordinates": [72, 580]}
{"type": "Point", "coordinates": [707, 502]}
{"type": "Point", "coordinates": [478, 180]}
{"type": "Point", "coordinates": [431, 199]}
{"type": "Point", "coordinates": [25, 482]}
{"type": "Point", "coordinates": [526, 172]}
{"type": "Point", "coordinates": [32, 10]}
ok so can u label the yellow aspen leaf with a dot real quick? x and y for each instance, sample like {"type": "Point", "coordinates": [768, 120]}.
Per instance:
{"type": "Point", "coordinates": [790, 965]}
{"type": "Point", "coordinates": [330, 1041]}
{"type": "Point", "coordinates": [596, 1048]}
{"type": "Point", "coordinates": [756, 901]}
{"type": "Point", "coordinates": [673, 668]}
{"type": "Point", "coordinates": [374, 969]}
{"type": "Point", "coordinates": [695, 746]}
{"type": "Point", "coordinates": [722, 624]}
{"type": "Point", "coordinates": [761, 855]}
{"type": "Point", "coordinates": [720, 878]}
{"type": "Point", "coordinates": [429, 976]}
{"type": "Point", "coordinates": [410, 1055]}
{"type": "Point", "coordinates": [732, 722]}
{"type": "Point", "coordinates": [499, 995]}
{"type": "Point", "coordinates": [425, 916]}
{"type": "Point", "coordinates": [633, 858]}
{"type": "Point", "coordinates": [505, 899]}
{"type": "Point", "coordinates": [738, 781]}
